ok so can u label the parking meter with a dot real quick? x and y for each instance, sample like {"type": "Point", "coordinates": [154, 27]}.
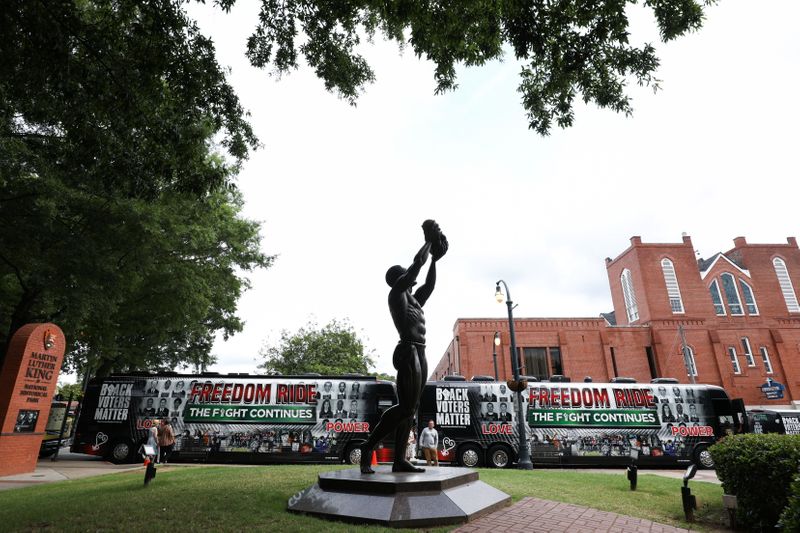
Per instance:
{"type": "Point", "coordinates": [149, 462]}
{"type": "Point", "coordinates": [633, 470]}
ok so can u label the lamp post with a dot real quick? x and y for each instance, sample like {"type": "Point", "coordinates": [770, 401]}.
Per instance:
{"type": "Point", "coordinates": [524, 459]}
{"type": "Point", "coordinates": [494, 352]}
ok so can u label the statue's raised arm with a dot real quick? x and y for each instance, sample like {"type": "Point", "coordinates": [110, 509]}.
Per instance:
{"type": "Point", "coordinates": [438, 247]}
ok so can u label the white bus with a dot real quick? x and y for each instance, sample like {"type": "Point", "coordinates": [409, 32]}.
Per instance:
{"type": "Point", "coordinates": [568, 423]}
{"type": "Point", "coordinates": [235, 418]}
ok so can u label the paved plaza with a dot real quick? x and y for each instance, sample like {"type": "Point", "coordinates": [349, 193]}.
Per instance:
{"type": "Point", "coordinates": [534, 514]}
{"type": "Point", "coordinates": [68, 466]}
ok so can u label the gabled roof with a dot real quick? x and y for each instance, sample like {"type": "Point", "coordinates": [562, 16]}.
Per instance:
{"type": "Point", "coordinates": [611, 318]}
{"type": "Point", "coordinates": [706, 265]}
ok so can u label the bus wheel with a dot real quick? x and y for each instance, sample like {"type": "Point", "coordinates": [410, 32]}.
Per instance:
{"type": "Point", "coordinates": [499, 456]}
{"type": "Point", "coordinates": [121, 452]}
{"type": "Point", "coordinates": [353, 455]}
{"type": "Point", "coordinates": [469, 455]}
{"type": "Point", "coordinates": [702, 457]}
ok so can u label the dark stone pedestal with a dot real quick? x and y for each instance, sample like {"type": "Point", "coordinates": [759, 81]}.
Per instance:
{"type": "Point", "coordinates": [439, 496]}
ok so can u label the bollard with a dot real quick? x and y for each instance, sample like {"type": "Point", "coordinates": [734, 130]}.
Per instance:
{"type": "Point", "coordinates": [689, 503]}
{"type": "Point", "coordinates": [149, 471]}
{"type": "Point", "coordinates": [632, 475]}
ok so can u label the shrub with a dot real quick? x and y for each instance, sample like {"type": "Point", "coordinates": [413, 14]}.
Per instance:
{"type": "Point", "coordinates": [790, 518]}
{"type": "Point", "coordinates": [759, 470]}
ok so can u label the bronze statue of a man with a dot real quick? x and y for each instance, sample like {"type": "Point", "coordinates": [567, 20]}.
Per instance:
{"type": "Point", "coordinates": [409, 355]}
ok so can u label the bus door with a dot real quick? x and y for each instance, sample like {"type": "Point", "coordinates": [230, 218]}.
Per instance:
{"type": "Point", "coordinates": [729, 418]}
{"type": "Point", "coordinates": [740, 415]}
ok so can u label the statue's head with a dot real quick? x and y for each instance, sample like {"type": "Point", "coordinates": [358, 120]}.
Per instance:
{"type": "Point", "coordinates": [393, 274]}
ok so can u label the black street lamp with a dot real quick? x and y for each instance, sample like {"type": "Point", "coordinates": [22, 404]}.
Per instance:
{"type": "Point", "coordinates": [494, 352]}
{"type": "Point", "coordinates": [524, 459]}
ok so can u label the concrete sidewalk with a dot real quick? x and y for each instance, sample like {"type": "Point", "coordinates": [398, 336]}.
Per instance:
{"type": "Point", "coordinates": [534, 514]}
{"type": "Point", "coordinates": [68, 466]}
{"type": "Point", "coordinates": [709, 476]}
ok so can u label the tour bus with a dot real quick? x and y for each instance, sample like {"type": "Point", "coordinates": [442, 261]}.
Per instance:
{"type": "Point", "coordinates": [662, 423]}
{"type": "Point", "coordinates": [235, 418]}
{"type": "Point", "coordinates": [774, 421]}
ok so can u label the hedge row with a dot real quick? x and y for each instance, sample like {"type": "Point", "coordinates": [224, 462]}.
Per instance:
{"type": "Point", "coordinates": [759, 470]}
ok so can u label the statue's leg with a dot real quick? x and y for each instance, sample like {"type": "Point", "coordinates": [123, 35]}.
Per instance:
{"type": "Point", "coordinates": [423, 373]}
{"type": "Point", "coordinates": [401, 464]}
{"type": "Point", "coordinates": [404, 361]}
{"type": "Point", "coordinates": [412, 396]}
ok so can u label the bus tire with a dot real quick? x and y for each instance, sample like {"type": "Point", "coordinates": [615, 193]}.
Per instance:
{"type": "Point", "coordinates": [122, 451]}
{"type": "Point", "coordinates": [499, 456]}
{"type": "Point", "coordinates": [702, 457]}
{"type": "Point", "coordinates": [353, 454]}
{"type": "Point", "coordinates": [470, 456]}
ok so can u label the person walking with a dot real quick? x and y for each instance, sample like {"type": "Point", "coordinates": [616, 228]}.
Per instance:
{"type": "Point", "coordinates": [429, 441]}
{"type": "Point", "coordinates": [166, 440]}
{"type": "Point", "coordinates": [151, 441]}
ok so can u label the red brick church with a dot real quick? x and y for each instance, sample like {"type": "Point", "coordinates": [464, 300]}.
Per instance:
{"type": "Point", "coordinates": [738, 310]}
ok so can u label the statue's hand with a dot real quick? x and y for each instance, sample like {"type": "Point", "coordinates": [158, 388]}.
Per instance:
{"type": "Point", "coordinates": [439, 247]}
{"type": "Point", "coordinates": [431, 230]}
{"type": "Point", "coordinates": [435, 237]}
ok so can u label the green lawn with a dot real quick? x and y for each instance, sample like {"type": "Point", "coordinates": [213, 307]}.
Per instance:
{"type": "Point", "coordinates": [236, 499]}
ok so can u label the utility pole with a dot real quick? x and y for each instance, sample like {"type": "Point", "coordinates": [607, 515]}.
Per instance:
{"type": "Point", "coordinates": [687, 361]}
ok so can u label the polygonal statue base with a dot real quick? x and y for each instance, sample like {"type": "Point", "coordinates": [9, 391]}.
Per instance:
{"type": "Point", "coordinates": [438, 496]}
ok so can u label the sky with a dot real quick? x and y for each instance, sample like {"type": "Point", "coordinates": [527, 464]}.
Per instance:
{"type": "Point", "coordinates": [342, 191]}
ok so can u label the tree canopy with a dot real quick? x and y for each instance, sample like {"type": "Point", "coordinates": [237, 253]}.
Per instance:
{"type": "Point", "coordinates": [119, 140]}
{"type": "Point", "coordinates": [331, 349]}
{"type": "Point", "coordinates": [570, 48]}
{"type": "Point", "coordinates": [135, 284]}
{"type": "Point", "coordinates": [119, 98]}
{"type": "Point", "coordinates": [75, 389]}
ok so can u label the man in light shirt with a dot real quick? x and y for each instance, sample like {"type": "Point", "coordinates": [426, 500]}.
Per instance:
{"type": "Point", "coordinates": [429, 441]}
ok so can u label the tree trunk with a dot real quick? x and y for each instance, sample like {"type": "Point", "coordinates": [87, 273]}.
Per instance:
{"type": "Point", "coordinates": [19, 318]}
